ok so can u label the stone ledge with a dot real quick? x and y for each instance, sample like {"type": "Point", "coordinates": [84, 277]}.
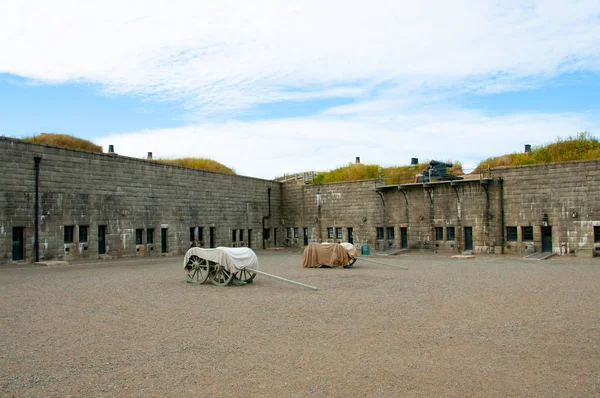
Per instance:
{"type": "Point", "coordinates": [464, 256]}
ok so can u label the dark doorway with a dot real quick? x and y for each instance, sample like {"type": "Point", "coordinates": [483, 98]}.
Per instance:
{"type": "Point", "coordinates": [211, 238]}
{"type": "Point", "coordinates": [546, 239]}
{"type": "Point", "coordinates": [351, 235]}
{"type": "Point", "coordinates": [403, 238]}
{"type": "Point", "coordinates": [101, 239]}
{"type": "Point", "coordinates": [468, 238]}
{"type": "Point", "coordinates": [305, 232]}
{"type": "Point", "coordinates": [249, 238]}
{"type": "Point", "coordinates": [163, 240]}
{"type": "Point", "coordinates": [266, 237]}
{"type": "Point", "coordinates": [18, 244]}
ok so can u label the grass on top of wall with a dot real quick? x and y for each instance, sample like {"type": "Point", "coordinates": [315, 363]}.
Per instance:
{"type": "Point", "coordinates": [199, 163]}
{"type": "Point", "coordinates": [391, 175]}
{"type": "Point", "coordinates": [581, 147]}
{"type": "Point", "coordinates": [63, 141]}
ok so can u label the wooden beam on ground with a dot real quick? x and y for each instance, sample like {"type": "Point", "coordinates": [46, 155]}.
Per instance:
{"type": "Point", "coordinates": [281, 279]}
{"type": "Point", "coordinates": [379, 262]}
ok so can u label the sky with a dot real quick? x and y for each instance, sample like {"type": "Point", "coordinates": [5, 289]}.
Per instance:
{"type": "Point", "coordinates": [278, 87]}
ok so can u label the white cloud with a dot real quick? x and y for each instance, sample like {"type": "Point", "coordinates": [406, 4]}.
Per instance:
{"type": "Point", "coordinates": [268, 149]}
{"type": "Point", "coordinates": [400, 62]}
{"type": "Point", "coordinates": [227, 55]}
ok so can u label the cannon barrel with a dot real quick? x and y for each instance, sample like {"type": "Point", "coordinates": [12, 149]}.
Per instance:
{"type": "Point", "coordinates": [437, 163]}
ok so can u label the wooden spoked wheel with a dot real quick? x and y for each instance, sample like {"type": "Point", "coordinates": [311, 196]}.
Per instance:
{"type": "Point", "coordinates": [219, 275]}
{"type": "Point", "coordinates": [245, 276]}
{"type": "Point", "coordinates": [197, 269]}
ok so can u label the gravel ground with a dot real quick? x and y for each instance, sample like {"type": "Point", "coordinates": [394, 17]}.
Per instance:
{"type": "Point", "coordinates": [489, 326]}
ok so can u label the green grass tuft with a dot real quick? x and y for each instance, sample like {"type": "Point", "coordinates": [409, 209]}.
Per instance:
{"type": "Point", "coordinates": [64, 141]}
{"type": "Point", "coordinates": [199, 163]}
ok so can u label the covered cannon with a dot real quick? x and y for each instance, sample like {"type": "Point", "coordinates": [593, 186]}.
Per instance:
{"type": "Point", "coordinates": [329, 255]}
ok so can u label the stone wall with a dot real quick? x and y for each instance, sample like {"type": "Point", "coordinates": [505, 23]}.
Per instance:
{"type": "Point", "coordinates": [552, 207]}
{"type": "Point", "coordinates": [557, 203]}
{"type": "Point", "coordinates": [560, 197]}
{"type": "Point", "coordinates": [377, 213]}
{"type": "Point", "coordinates": [315, 208]}
{"type": "Point", "coordinates": [82, 192]}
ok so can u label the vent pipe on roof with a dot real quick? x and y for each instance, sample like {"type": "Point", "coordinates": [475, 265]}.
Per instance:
{"type": "Point", "coordinates": [527, 148]}
{"type": "Point", "coordinates": [357, 159]}
{"type": "Point", "coordinates": [414, 161]}
{"type": "Point", "coordinates": [111, 149]}
{"type": "Point", "coordinates": [149, 155]}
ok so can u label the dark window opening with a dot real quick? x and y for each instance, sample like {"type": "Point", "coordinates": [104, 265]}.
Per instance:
{"type": "Point", "coordinates": [329, 232]}
{"type": "Point", "coordinates": [274, 236]}
{"type": "Point", "coordinates": [289, 233]}
{"type": "Point", "coordinates": [390, 233]}
{"type": "Point", "coordinates": [379, 233]}
{"type": "Point", "coordinates": [68, 234]}
{"type": "Point", "coordinates": [150, 236]}
{"type": "Point", "coordinates": [83, 233]}
{"type": "Point", "coordinates": [527, 234]}
{"type": "Point", "coordinates": [596, 234]}
{"type": "Point", "coordinates": [138, 236]}
{"type": "Point", "coordinates": [511, 234]}
{"type": "Point", "coordinates": [296, 232]}
{"type": "Point", "coordinates": [192, 234]}
{"type": "Point", "coordinates": [338, 233]}
{"type": "Point", "coordinates": [439, 233]}
{"type": "Point", "coordinates": [249, 238]}
{"type": "Point", "coordinates": [234, 235]}
{"type": "Point", "coordinates": [451, 233]}
{"type": "Point", "coordinates": [241, 235]}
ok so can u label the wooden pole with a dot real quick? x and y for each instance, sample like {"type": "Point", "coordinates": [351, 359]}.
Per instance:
{"type": "Point", "coordinates": [280, 278]}
{"type": "Point", "coordinates": [379, 262]}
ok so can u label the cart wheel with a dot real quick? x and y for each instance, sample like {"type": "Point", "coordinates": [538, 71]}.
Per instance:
{"type": "Point", "coordinates": [245, 276]}
{"type": "Point", "coordinates": [197, 269]}
{"type": "Point", "coordinates": [219, 275]}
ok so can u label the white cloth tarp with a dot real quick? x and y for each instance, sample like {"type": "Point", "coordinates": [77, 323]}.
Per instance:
{"type": "Point", "coordinates": [350, 248]}
{"type": "Point", "coordinates": [233, 259]}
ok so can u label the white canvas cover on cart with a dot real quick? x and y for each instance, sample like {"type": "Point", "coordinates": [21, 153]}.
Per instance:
{"type": "Point", "coordinates": [234, 259]}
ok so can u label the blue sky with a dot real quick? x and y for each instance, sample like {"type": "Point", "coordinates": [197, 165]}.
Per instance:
{"type": "Point", "coordinates": [273, 87]}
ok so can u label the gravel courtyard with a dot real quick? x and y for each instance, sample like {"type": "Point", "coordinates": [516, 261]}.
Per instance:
{"type": "Point", "coordinates": [489, 326]}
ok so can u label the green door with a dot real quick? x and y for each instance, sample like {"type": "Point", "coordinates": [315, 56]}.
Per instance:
{"type": "Point", "coordinates": [18, 244]}
{"type": "Point", "coordinates": [546, 239]}
{"type": "Point", "coordinates": [468, 238]}
{"type": "Point", "coordinates": [163, 240]}
{"type": "Point", "coordinates": [101, 239]}
{"type": "Point", "coordinates": [403, 238]}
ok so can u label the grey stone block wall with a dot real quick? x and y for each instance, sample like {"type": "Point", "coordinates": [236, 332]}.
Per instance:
{"type": "Point", "coordinates": [559, 198]}
{"type": "Point", "coordinates": [85, 189]}
{"type": "Point", "coordinates": [562, 196]}
{"type": "Point", "coordinates": [354, 204]}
